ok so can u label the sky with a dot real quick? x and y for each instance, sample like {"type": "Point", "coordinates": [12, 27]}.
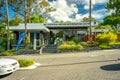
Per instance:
{"type": "Point", "coordinates": [75, 10]}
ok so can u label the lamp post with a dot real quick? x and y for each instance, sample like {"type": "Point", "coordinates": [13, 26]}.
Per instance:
{"type": "Point", "coordinates": [90, 22]}
{"type": "Point", "coordinates": [8, 33]}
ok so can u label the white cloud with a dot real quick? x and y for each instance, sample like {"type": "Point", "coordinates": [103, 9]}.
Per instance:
{"type": "Point", "coordinates": [86, 7]}
{"type": "Point", "coordinates": [79, 17]}
{"type": "Point", "coordinates": [94, 2]}
{"type": "Point", "coordinates": [98, 14]}
{"type": "Point", "coordinates": [99, 1]}
{"type": "Point", "coordinates": [63, 10]}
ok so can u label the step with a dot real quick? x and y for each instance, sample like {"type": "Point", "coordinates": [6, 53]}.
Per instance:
{"type": "Point", "coordinates": [50, 48]}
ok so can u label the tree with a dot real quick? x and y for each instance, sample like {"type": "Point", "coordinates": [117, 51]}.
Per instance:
{"type": "Point", "coordinates": [3, 31]}
{"type": "Point", "coordinates": [104, 27]}
{"type": "Point", "coordinates": [16, 21]}
{"type": "Point", "coordinates": [4, 18]}
{"type": "Point", "coordinates": [36, 19]}
{"type": "Point", "coordinates": [113, 21]}
{"type": "Point", "coordinates": [45, 9]}
{"type": "Point", "coordinates": [114, 6]}
{"type": "Point", "coordinates": [27, 7]}
{"type": "Point", "coordinates": [22, 8]}
{"type": "Point", "coordinates": [2, 10]}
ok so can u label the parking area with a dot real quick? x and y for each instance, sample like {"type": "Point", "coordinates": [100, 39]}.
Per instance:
{"type": "Point", "coordinates": [93, 65]}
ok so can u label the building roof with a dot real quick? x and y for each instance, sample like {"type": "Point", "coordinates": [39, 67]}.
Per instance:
{"type": "Point", "coordinates": [31, 27]}
{"type": "Point", "coordinates": [34, 27]}
{"type": "Point", "coordinates": [79, 25]}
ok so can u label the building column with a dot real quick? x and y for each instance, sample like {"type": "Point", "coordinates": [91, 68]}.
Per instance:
{"type": "Point", "coordinates": [64, 36]}
{"type": "Point", "coordinates": [35, 34]}
{"type": "Point", "coordinates": [40, 39]}
{"type": "Point", "coordinates": [15, 39]}
{"type": "Point", "coordinates": [42, 43]}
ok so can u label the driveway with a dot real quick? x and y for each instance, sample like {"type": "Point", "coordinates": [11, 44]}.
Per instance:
{"type": "Point", "coordinates": [93, 65]}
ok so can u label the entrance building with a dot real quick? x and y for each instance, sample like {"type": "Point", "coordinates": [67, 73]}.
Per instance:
{"type": "Point", "coordinates": [43, 34]}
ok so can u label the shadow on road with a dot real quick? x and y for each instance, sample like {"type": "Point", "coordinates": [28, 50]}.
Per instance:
{"type": "Point", "coordinates": [3, 76]}
{"type": "Point", "coordinates": [77, 63]}
{"type": "Point", "coordinates": [111, 67]}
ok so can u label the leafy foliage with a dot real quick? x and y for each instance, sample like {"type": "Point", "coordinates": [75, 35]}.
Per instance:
{"type": "Point", "coordinates": [114, 6]}
{"type": "Point", "coordinates": [36, 19]}
{"type": "Point", "coordinates": [112, 20]}
{"type": "Point", "coordinates": [46, 8]}
{"type": "Point", "coordinates": [104, 27]}
{"type": "Point", "coordinates": [8, 53]}
{"type": "Point", "coordinates": [16, 21]}
{"type": "Point", "coordinates": [70, 45]}
{"type": "Point", "coordinates": [58, 40]}
{"type": "Point", "coordinates": [3, 44]}
{"type": "Point", "coordinates": [115, 43]}
{"type": "Point", "coordinates": [25, 62]}
{"type": "Point", "coordinates": [104, 46]}
{"type": "Point", "coordinates": [2, 30]}
{"type": "Point", "coordinates": [106, 37]}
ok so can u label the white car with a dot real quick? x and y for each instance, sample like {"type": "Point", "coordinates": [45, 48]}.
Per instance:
{"type": "Point", "coordinates": [8, 66]}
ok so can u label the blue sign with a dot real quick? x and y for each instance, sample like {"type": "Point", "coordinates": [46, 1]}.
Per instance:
{"type": "Point", "coordinates": [20, 40]}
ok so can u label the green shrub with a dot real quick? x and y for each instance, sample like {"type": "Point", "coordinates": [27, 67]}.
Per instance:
{"type": "Point", "coordinates": [3, 44]}
{"type": "Point", "coordinates": [70, 46]}
{"type": "Point", "coordinates": [104, 46]}
{"type": "Point", "coordinates": [75, 40]}
{"type": "Point", "coordinates": [25, 62]}
{"type": "Point", "coordinates": [58, 40]}
{"type": "Point", "coordinates": [115, 43]}
{"type": "Point", "coordinates": [65, 47]}
{"type": "Point", "coordinates": [94, 44]}
{"type": "Point", "coordinates": [79, 47]}
{"type": "Point", "coordinates": [8, 53]}
{"type": "Point", "coordinates": [106, 37]}
{"type": "Point", "coordinates": [71, 43]}
{"type": "Point", "coordinates": [84, 43]}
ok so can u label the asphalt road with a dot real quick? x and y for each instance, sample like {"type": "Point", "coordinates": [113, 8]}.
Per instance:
{"type": "Point", "coordinates": [94, 65]}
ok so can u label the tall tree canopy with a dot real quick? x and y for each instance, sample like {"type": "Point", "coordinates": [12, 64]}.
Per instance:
{"type": "Point", "coordinates": [36, 19]}
{"type": "Point", "coordinates": [114, 6]}
{"type": "Point", "coordinates": [114, 21]}
{"type": "Point", "coordinates": [15, 21]}
{"type": "Point", "coordinates": [25, 8]}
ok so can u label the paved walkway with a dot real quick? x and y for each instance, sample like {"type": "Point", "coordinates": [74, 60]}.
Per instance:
{"type": "Point", "coordinates": [93, 65]}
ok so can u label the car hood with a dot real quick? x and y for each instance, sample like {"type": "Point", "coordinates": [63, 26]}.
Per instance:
{"type": "Point", "coordinates": [5, 61]}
